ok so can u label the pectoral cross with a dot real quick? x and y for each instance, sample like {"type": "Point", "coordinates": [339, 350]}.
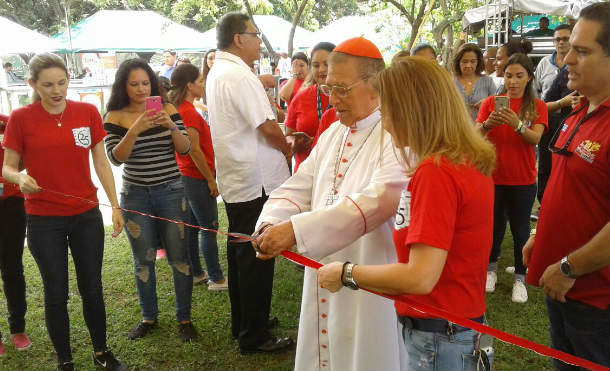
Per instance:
{"type": "Point", "coordinates": [332, 196]}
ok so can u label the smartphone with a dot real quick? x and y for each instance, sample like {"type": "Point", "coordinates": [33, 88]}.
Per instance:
{"type": "Point", "coordinates": [299, 134]}
{"type": "Point", "coordinates": [153, 103]}
{"type": "Point", "coordinates": [501, 102]}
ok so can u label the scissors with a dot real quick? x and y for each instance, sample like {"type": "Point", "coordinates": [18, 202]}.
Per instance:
{"type": "Point", "coordinates": [244, 238]}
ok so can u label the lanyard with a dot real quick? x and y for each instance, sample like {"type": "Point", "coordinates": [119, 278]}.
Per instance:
{"type": "Point", "coordinates": [319, 104]}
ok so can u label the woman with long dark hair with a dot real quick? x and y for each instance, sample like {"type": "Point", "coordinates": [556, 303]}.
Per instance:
{"type": "Point", "coordinates": [67, 131]}
{"type": "Point", "coordinates": [197, 169]}
{"type": "Point", "coordinates": [145, 141]}
{"type": "Point", "coordinates": [299, 68]}
{"type": "Point", "coordinates": [515, 131]}
{"type": "Point", "coordinates": [522, 46]}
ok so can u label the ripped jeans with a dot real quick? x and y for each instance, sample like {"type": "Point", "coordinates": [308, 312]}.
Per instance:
{"type": "Point", "coordinates": [145, 234]}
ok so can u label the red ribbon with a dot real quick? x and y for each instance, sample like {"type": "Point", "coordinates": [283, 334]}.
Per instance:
{"type": "Point", "coordinates": [421, 307]}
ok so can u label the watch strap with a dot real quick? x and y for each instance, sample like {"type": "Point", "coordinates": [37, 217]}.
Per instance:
{"type": "Point", "coordinates": [566, 268]}
{"type": "Point", "coordinates": [349, 278]}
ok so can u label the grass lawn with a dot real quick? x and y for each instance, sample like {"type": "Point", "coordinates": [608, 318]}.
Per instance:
{"type": "Point", "coordinates": [215, 350]}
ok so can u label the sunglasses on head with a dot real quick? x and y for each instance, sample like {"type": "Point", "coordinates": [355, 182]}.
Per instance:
{"type": "Point", "coordinates": [563, 150]}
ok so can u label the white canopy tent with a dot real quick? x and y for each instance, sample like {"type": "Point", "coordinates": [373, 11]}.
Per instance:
{"type": "Point", "coordinates": [569, 8]}
{"type": "Point", "coordinates": [17, 39]}
{"type": "Point", "coordinates": [130, 31]}
{"type": "Point", "coordinates": [276, 30]}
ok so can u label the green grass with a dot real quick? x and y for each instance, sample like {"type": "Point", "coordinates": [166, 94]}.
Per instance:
{"type": "Point", "coordinates": [215, 350]}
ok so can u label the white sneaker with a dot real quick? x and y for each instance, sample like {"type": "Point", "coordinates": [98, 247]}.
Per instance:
{"type": "Point", "coordinates": [519, 292]}
{"type": "Point", "coordinates": [490, 284]}
{"type": "Point", "coordinates": [201, 279]}
{"type": "Point", "coordinates": [214, 286]}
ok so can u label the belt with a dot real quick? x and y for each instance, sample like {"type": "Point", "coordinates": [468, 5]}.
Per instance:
{"type": "Point", "coordinates": [434, 324]}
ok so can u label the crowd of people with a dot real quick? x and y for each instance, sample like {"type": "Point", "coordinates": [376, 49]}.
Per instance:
{"type": "Point", "coordinates": [404, 179]}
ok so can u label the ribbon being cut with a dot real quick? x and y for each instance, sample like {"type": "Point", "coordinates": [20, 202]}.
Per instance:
{"type": "Point", "coordinates": [498, 334]}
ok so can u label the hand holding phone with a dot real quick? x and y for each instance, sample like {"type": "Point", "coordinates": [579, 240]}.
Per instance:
{"type": "Point", "coordinates": [154, 105]}
{"type": "Point", "coordinates": [501, 102]}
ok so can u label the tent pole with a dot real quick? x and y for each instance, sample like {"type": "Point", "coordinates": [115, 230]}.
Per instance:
{"type": "Point", "coordinates": [66, 13]}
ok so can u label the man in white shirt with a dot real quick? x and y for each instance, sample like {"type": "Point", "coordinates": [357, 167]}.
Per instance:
{"type": "Point", "coordinates": [284, 66]}
{"type": "Point", "coordinates": [339, 205]}
{"type": "Point", "coordinates": [251, 161]}
{"type": "Point", "coordinates": [549, 66]}
{"type": "Point", "coordinates": [170, 62]}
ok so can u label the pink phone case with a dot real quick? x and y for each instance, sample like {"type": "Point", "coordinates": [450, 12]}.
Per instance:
{"type": "Point", "coordinates": [153, 103]}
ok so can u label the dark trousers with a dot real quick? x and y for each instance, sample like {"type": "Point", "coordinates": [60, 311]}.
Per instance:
{"type": "Point", "coordinates": [581, 330]}
{"type": "Point", "coordinates": [544, 155]}
{"type": "Point", "coordinates": [250, 279]}
{"type": "Point", "coordinates": [12, 236]}
{"type": "Point", "coordinates": [48, 239]}
{"type": "Point", "coordinates": [515, 204]}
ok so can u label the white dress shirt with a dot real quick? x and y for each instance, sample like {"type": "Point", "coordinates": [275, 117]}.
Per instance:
{"type": "Point", "coordinates": [237, 106]}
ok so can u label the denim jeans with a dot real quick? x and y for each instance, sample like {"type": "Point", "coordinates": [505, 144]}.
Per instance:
{"type": "Point", "coordinates": [145, 234]}
{"type": "Point", "coordinates": [48, 239]}
{"type": "Point", "coordinates": [204, 213]}
{"type": "Point", "coordinates": [12, 235]}
{"type": "Point", "coordinates": [434, 351]}
{"type": "Point", "coordinates": [514, 202]}
{"type": "Point", "coordinates": [581, 330]}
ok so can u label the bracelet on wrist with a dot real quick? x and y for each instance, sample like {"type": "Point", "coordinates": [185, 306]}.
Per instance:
{"type": "Point", "coordinates": [174, 128]}
{"type": "Point", "coordinates": [343, 272]}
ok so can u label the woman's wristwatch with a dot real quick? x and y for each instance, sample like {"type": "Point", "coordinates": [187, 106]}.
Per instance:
{"type": "Point", "coordinates": [521, 128]}
{"type": "Point", "coordinates": [348, 278]}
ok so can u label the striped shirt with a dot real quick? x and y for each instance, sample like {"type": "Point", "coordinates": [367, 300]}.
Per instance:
{"type": "Point", "coordinates": [152, 160]}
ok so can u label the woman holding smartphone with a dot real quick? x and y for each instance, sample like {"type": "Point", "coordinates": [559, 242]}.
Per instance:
{"type": "Point", "coordinates": [514, 124]}
{"type": "Point", "coordinates": [145, 140]}
{"type": "Point", "coordinates": [443, 227]}
{"type": "Point", "coordinates": [197, 169]}
{"type": "Point", "coordinates": [67, 131]}
{"type": "Point", "coordinates": [307, 107]}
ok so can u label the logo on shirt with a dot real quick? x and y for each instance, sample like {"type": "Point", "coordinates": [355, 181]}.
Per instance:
{"type": "Point", "coordinates": [403, 214]}
{"type": "Point", "coordinates": [586, 150]}
{"type": "Point", "coordinates": [82, 136]}
{"type": "Point", "coordinates": [564, 128]}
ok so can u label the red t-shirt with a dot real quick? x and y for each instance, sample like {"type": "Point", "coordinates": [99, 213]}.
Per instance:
{"type": "Point", "coordinates": [192, 119]}
{"type": "Point", "coordinates": [303, 116]}
{"type": "Point", "coordinates": [328, 118]}
{"type": "Point", "coordinates": [57, 157]}
{"type": "Point", "coordinates": [451, 208]}
{"type": "Point", "coordinates": [576, 203]}
{"type": "Point", "coordinates": [297, 85]}
{"type": "Point", "coordinates": [515, 159]}
{"type": "Point", "coordinates": [7, 189]}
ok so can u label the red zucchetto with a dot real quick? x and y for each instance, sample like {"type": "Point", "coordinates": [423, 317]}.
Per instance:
{"type": "Point", "coordinates": [359, 47]}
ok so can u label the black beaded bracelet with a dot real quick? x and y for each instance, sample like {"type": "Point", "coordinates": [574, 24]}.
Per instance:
{"type": "Point", "coordinates": [343, 272]}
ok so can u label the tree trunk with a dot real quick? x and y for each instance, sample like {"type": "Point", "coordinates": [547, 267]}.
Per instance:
{"type": "Point", "coordinates": [295, 22]}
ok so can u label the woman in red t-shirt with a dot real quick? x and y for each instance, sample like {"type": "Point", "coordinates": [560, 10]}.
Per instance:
{"type": "Point", "coordinates": [290, 87]}
{"type": "Point", "coordinates": [307, 107]}
{"type": "Point", "coordinates": [197, 169]}
{"type": "Point", "coordinates": [515, 130]}
{"type": "Point", "coordinates": [54, 136]}
{"type": "Point", "coordinates": [443, 227]}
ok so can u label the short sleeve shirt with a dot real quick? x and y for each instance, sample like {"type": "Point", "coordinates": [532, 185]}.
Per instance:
{"type": "Point", "coordinates": [192, 119]}
{"type": "Point", "coordinates": [7, 189]}
{"type": "Point", "coordinates": [237, 105]}
{"type": "Point", "coordinates": [576, 205]}
{"type": "Point", "coordinates": [55, 152]}
{"type": "Point", "coordinates": [448, 207]}
{"type": "Point", "coordinates": [515, 159]}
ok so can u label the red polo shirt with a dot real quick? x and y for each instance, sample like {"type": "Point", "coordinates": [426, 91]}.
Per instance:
{"type": "Point", "coordinates": [303, 116]}
{"type": "Point", "coordinates": [57, 157]}
{"type": "Point", "coordinates": [576, 203]}
{"type": "Point", "coordinates": [448, 207]}
{"type": "Point", "coordinates": [192, 119]}
{"type": "Point", "coordinates": [515, 159]}
{"type": "Point", "coordinates": [8, 189]}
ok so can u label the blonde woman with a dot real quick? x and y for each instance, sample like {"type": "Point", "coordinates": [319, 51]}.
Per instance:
{"type": "Point", "coordinates": [443, 227]}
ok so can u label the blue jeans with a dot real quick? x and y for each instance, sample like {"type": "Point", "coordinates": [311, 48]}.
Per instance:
{"type": "Point", "coordinates": [581, 330]}
{"type": "Point", "coordinates": [145, 234]}
{"type": "Point", "coordinates": [514, 202]}
{"type": "Point", "coordinates": [48, 239]}
{"type": "Point", "coordinates": [204, 213]}
{"type": "Point", "coordinates": [434, 351]}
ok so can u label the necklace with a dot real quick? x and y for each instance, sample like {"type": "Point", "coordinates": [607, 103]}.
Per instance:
{"type": "Point", "coordinates": [333, 194]}
{"type": "Point", "coordinates": [62, 116]}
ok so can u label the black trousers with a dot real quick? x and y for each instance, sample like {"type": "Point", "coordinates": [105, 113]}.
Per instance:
{"type": "Point", "coordinates": [544, 155]}
{"type": "Point", "coordinates": [250, 279]}
{"type": "Point", "coordinates": [12, 237]}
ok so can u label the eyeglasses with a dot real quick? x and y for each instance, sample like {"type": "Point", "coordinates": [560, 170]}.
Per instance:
{"type": "Point", "coordinates": [564, 149]}
{"type": "Point", "coordinates": [341, 91]}
{"type": "Point", "coordinates": [560, 39]}
{"type": "Point", "coordinates": [257, 34]}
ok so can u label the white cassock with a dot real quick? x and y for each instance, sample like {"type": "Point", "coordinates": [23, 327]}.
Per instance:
{"type": "Point", "coordinates": [348, 330]}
